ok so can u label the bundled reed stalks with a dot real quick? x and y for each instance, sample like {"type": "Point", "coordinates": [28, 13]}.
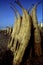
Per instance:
{"type": "Point", "coordinates": [37, 37]}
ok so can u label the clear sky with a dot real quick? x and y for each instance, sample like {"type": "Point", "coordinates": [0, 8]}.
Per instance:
{"type": "Point", "coordinates": [7, 16]}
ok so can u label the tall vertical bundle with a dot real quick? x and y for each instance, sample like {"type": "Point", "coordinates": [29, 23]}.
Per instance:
{"type": "Point", "coordinates": [32, 52]}
{"type": "Point", "coordinates": [16, 29]}
{"type": "Point", "coordinates": [23, 36]}
{"type": "Point", "coordinates": [37, 38]}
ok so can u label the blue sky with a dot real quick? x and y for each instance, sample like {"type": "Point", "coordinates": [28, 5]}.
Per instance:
{"type": "Point", "coordinates": [7, 16]}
